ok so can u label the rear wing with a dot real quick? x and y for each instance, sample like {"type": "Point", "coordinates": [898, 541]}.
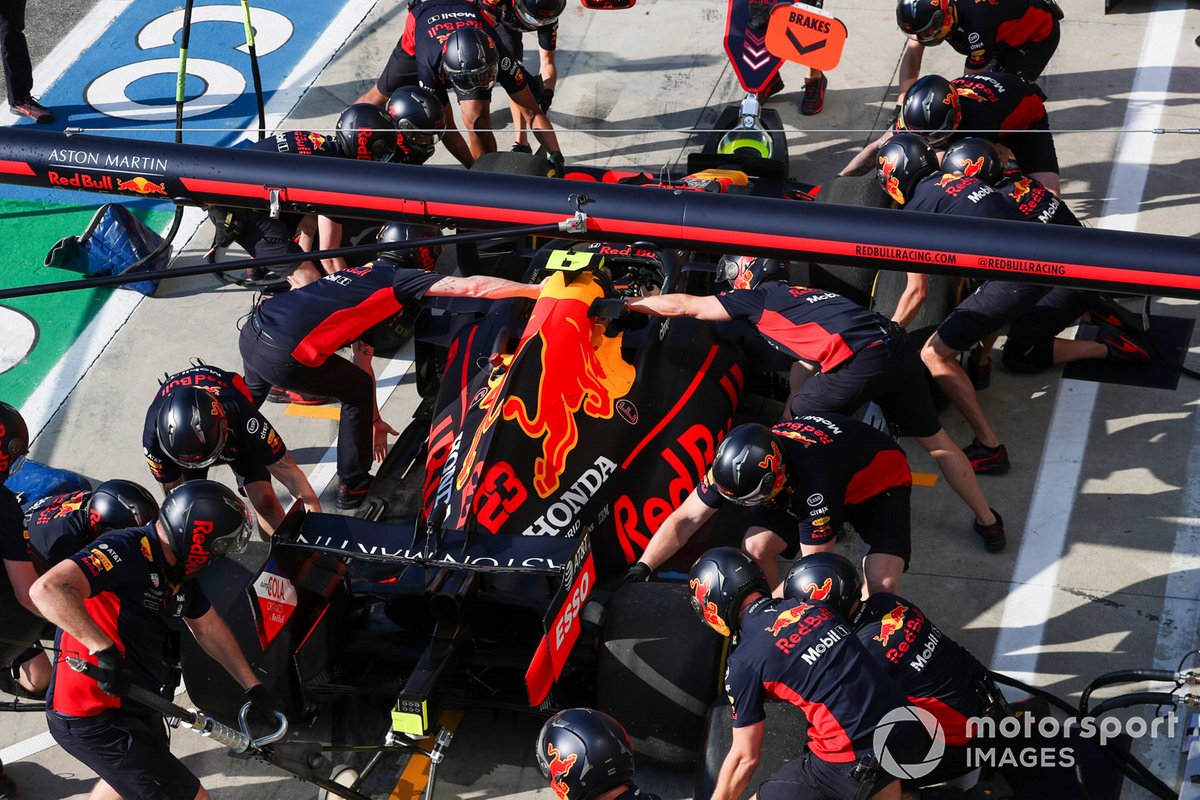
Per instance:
{"type": "Point", "coordinates": [357, 539]}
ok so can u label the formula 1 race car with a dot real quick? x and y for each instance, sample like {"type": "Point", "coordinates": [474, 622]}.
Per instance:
{"type": "Point", "coordinates": [559, 438]}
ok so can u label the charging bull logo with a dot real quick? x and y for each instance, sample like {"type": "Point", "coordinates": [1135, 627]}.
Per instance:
{"type": "Point", "coordinates": [787, 618]}
{"type": "Point", "coordinates": [891, 622]}
{"type": "Point", "coordinates": [773, 463]}
{"type": "Point", "coordinates": [573, 375]}
{"type": "Point", "coordinates": [948, 178]}
{"type": "Point", "coordinates": [708, 609]}
{"type": "Point", "coordinates": [967, 92]}
{"type": "Point", "coordinates": [1020, 189]}
{"type": "Point", "coordinates": [973, 167]}
{"type": "Point", "coordinates": [317, 140]}
{"type": "Point", "coordinates": [141, 186]}
{"type": "Point", "coordinates": [818, 593]}
{"type": "Point", "coordinates": [559, 768]}
{"type": "Point", "coordinates": [891, 184]}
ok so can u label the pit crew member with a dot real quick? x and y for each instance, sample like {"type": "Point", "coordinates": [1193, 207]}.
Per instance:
{"type": "Point", "coordinates": [363, 132]}
{"type": "Point", "coordinates": [586, 755]}
{"type": "Point", "coordinates": [203, 416]}
{"type": "Point", "coordinates": [420, 123]}
{"type": "Point", "coordinates": [447, 44]}
{"type": "Point", "coordinates": [806, 655]}
{"type": "Point", "coordinates": [845, 355]}
{"type": "Point", "coordinates": [114, 603]}
{"type": "Point", "coordinates": [291, 341]}
{"type": "Point", "coordinates": [511, 19]}
{"type": "Point", "coordinates": [935, 672]}
{"type": "Point", "coordinates": [1017, 36]}
{"type": "Point", "coordinates": [801, 479]}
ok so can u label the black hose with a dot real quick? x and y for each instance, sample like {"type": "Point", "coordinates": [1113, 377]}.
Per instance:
{"type": "Point", "coordinates": [1054, 700]}
{"type": "Point", "coordinates": [1133, 699]}
{"type": "Point", "coordinates": [244, 263]}
{"type": "Point", "coordinates": [1121, 676]}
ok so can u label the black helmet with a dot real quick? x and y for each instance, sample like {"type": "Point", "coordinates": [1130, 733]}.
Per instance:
{"type": "Point", "coordinates": [192, 427]}
{"type": "Point", "coordinates": [14, 441]}
{"type": "Point", "coordinates": [975, 158]}
{"type": "Point", "coordinates": [584, 753]}
{"type": "Point", "coordinates": [118, 504]}
{"type": "Point", "coordinates": [720, 580]}
{"type": "Point", "coordinates": [904, 160]}
{"type": "Point", "coordinates": [825, 578]}
{"type": "Point", "coordinates": [420, 119]}
{"type": "Point", "coordinates": [747, 272]}
{"type": "Point", "coordinates": [931, 109]}
{"type": "Point", "coordinates": [929, 21]}
{"type": "Point", "coordinates": [748, 468]}
{"type": "Point", "coordinates": [424, 257]}
{"type": "Point", "coordinates": [534, 14]}
{"type": "Point", "coordinates": [367, 133]}
{"type": "Point", "coordinates": [469, 59]}
{"type": "Point", "coordinates": [204, 520]}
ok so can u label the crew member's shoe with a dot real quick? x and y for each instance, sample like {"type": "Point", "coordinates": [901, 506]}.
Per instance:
{"type": "Point", "coordinates": [773, 88]}
{"type": "Point", "coordinates": [277, 395]}
{"type": "Point", "coordinates": [993, 536]}
{"type": "Point", "coordinates": [34, 110]}
{"type": "Point", "coordinates": [814, 96]}
{"type": "Point", "coordinates": [980, 374]}
{"type": "Point", "coordinates": [987, 460]}
{"type": "Point", "coordinates": [1122, 348]}
{"type": "Point", "coordinates": [351, 496]}
{"type": "Point", "coordinates": [517, 147]}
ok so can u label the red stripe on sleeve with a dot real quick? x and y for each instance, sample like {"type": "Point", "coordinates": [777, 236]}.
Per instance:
{"type": "Point", "coordinates": [887, 470]}
{"type": "Point", "coordinates": [345, 326]}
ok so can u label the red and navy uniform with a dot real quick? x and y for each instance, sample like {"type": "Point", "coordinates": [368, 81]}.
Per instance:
{"type": "Point", "coordinates": [935, 672]}
{"type": "Point", "coordinates": [1033, 201]}
{"type": "Point", "coordinates": [997, 104]}
{"type": "Point", "coordinates": [807, 655]}
{"type": "Point", "coordinates": [959, 195]}
{"type": "Point", "coordinates": [132, 599]}
{"type": "Point", "coordinates": [14, 538]}
{"type": "Point", "coordinates": [292, 339]}
{"type": "Point", "coordinates": [301, 143]}
{"type": "Point", "coordinates": [807, 324]}
{"type": "Point", "coordinates": [1017, 36]}
{"type": "Point", "coordinates": [500, 14]}
{"type": "Point", "coordinates": [251, 446]}
{"type": "Point", "coordinates": [838, 470]}
{"type": "Point", "coordinates": [59, 527]}
{"type": "Point", "coordinates": [417, 58]}
{"type": "Point", "coordinates": [862, 356]}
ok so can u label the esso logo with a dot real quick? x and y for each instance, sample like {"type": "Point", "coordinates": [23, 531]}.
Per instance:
{"type": "Point", "coordinates": [571, 609]}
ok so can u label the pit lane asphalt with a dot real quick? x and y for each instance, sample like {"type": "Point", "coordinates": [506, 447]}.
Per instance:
{"type": "Point", "coordinates": [661, 65]}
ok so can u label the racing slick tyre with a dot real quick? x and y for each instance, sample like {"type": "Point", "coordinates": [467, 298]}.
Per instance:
{"type": "Point", "coordinates": [513, 164]}
{"type": "Point", "coordinates": [784, 735]}
{"type": "Point", "coordinates": [944, 294]}
{"type": "Point", "coordinates": [852, 282]}
{"type": "Point", "coordinates": [659, 670]}
{"type": "Point", "coordinates": [502, 258]}
{"type": "Point", "coordinates": [19, 629]}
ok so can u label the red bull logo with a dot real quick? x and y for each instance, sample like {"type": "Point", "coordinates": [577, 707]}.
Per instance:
{"type": "Point", "coordinates": [708, 609]}
{"type": "Point", "coordinates": [1020, 189]}
{"type": "Point", "coordinates": [972, 168]}
{"type": "Point", "coordinates": [559, 768]}
{"type": "Point", "coordinates": [818, 593]}
{"type": "Point", "coordinates": [576, 374]}
{"type": "Point", "coordinates": [317, 140]}
{"type": "Point", "coordinates": [891, 184]}
{"type": "Point", "coordinates": [787, 618]}
{"type": "Point", "coordinates": [967, 92]}
{"type": "Point", "coordinates": [141, 186]}
{"type": "Point", "coordinates": [795, 436]}
{"type": "Point", "coordinates": [891, 622]}
{"type": "Point", "coordinates": [947, 179]}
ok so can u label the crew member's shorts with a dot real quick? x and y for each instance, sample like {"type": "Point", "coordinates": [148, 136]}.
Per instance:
{"type": "Point", "coordinates": [1030, 59]}
{"type": "Point", "coordinates": [400, 70]}
{"type": "Point", "coordinates": [889, 372]}
{"type": "Point", "coordinates": [244, 471]}
{"type": "Point", "coordinates": [811, 778]}
{"type": "Point", "coordinates": [129, 751]}
{"type": "Point", "coordinates": [262, 237]}
{"type": "Point", "coordinates": [1033, 148]}
{"type": "Point", "coordinates": [988, 310]}
{"type": "Point", "coordinates": [1030, 344]}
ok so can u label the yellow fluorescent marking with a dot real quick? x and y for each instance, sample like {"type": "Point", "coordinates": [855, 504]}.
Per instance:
{"type": "Point", "coordinates": [331, 411]}
{"type": "Point", "coordinates": [416, 773]}
{"type": "Point", "coordinates": [925, 479]}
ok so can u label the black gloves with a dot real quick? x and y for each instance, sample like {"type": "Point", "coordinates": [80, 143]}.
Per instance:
{"type": "Point", "coordinates": [638, 573]}
{"type": "Point", "coordinates": [263, 705]}
{"type": "Point", "coordinates": [557, 165]}
{"type": "Point", "coordinates": [112, 676]}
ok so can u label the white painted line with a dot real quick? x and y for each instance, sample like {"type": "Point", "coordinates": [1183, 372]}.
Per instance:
{"type": "Point", "coordinates": [324, 472]}
{"type": "Point", "coordinates": [1028, 607]}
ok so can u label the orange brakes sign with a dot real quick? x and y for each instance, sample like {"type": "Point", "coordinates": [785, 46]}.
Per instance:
{"type": "Point", "coordinates": [807, 36]}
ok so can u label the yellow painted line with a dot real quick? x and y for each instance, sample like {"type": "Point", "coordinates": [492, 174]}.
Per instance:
{"type": "Point", "coordinates": [416, 773]}
{"type": "Point", "coordinates": [925, 479]}
{"type": "Point", "coordinates": [331, 411]}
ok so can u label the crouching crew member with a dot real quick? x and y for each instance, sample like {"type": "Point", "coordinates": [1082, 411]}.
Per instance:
{"type": "Point", "coordinates": [586, 755]}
